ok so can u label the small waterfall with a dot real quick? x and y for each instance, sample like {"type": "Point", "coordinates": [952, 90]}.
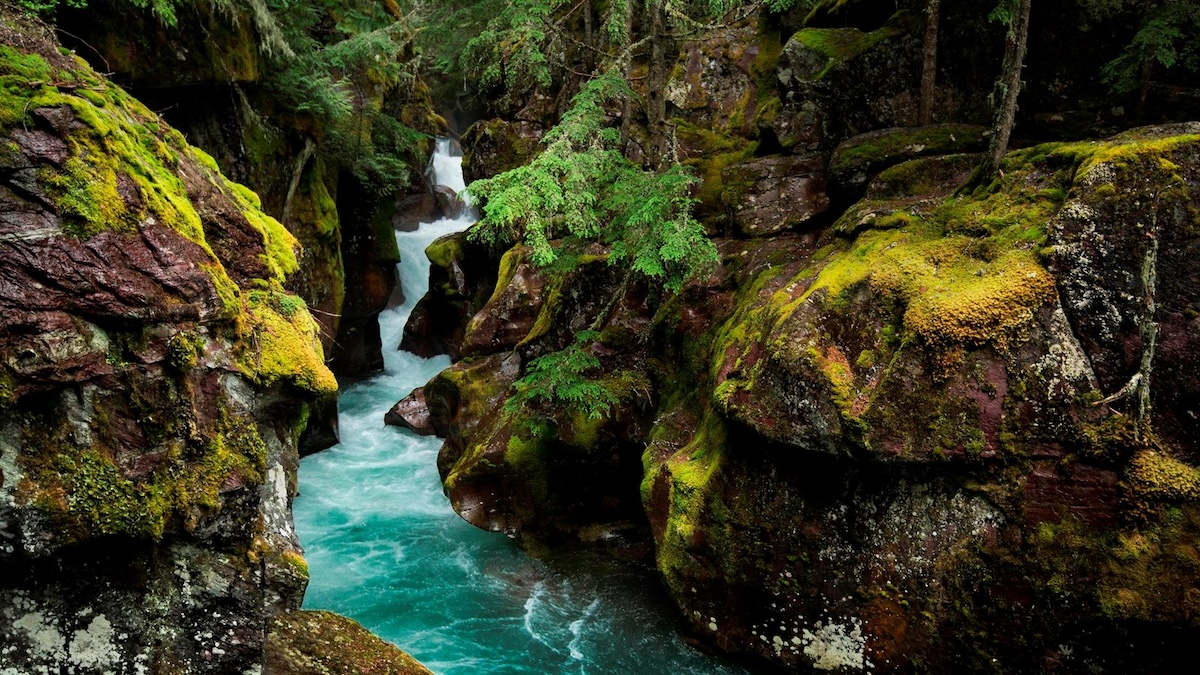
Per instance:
{"type": "Point", "coordinates": [446, 168]}
{"type": "Point", "coordinates": [385, 548]}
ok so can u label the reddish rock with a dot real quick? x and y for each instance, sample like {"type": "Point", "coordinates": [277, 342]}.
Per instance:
{"type": "Point", "coordinates": [411, 413]}
{"type": "Point", "coordinates": [510, 313]}
{"type": "Point", "coordinates": [449, 203]}
{"type": "Point", "coordinates": [773, 194]}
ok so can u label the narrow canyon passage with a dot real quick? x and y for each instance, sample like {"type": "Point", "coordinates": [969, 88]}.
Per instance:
{"type": "Point", "coordinates": [385, 548]}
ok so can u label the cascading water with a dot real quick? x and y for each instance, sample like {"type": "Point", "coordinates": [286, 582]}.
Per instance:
{"type": "Point", "coordinates": [385, 548]}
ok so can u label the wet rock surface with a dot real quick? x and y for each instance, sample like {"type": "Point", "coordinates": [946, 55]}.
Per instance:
{"type": "Point", "coordinates": [154, 377]}
{"type": "Point", "coordinates": [411, 412]}
{"type": "Point", "coordinates": [461, 279]}
{"type": "Point", "coordinates": [861, 446]}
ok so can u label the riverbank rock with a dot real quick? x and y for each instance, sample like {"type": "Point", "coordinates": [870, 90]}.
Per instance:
{"type": "Point", "coordinates": [907, 439]}
{"type": "Point", "coordinates": [412, 413]}
{"type": "Point", "coordinates": [154, 377]}
{"type": "Point", "coordinates": [462, 275]}
{"type": "Point", "coordinates": [323, 643]}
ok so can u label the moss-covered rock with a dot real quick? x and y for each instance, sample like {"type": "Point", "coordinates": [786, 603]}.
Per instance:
{"type": "Point", "coordinates": [156, 377]}
{"type": "Point", "coordinates": [322, 643]}
{"type": "Point", "coordinates": [858, 160]}
{"type": "Point", "coordinates": [495, 146]}
{"type": "Point", "coordinates": [788, 517]}
{"type": "Point", "coordinates": [462, 276]}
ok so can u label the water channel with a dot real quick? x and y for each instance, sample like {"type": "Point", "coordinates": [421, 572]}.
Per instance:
{"type": "Point", "coordinates": [385, 548]}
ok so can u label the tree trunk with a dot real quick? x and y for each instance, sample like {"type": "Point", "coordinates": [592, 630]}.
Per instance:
{"type": "Point", "coordinates": [1008, 88]}
{"type": "Point", "coordinates": [1144, 88]}
{"type": "Point", "coordinates": [661, 148]}
{"type": "Point", "coordinates": [589, 58]}
{"type": "Point", "coordinates": [627, 105]}
{"type": "Point", "coordinates": [933, 11]}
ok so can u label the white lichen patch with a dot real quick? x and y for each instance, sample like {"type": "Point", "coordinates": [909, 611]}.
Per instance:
{"type": "Point", "coordinates": [832, 645]}
{"type": "Point", "coordinates": [1066, 367]}
{"type": "Point", "coordinates": [275, 502]}
{"type": "Point", "coordinates": [909, 533]}
{"type": "Point", "coordinates": [93, 647]}
{"type": "Point", "coordinates": [45, 642]}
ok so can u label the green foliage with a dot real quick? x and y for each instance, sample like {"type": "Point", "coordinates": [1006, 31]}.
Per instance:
{"type": "Point", "coordinates": [447, 27]}
{"type": "Point", "coordinates": [1165, 38]}
{"type": "Point", "coordinates": [338, 74]}
{"type": "Point", "coordinates": [509, 56]}
{"type": "Point", "coordinates": [582, 189]}
{"type": "Point", "coordinates": [561, 378]}
{"type": "Point", "coordinates": [163, 9]}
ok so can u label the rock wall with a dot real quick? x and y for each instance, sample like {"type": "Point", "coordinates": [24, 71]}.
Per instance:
{"type": "Point", "coordinates": [155, 375]}
{"type": "Point", "coordinates": [903, 428]}
{"type": "Point", "coordinates": [217, 90]}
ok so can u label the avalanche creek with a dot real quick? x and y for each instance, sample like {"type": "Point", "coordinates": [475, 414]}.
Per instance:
{"type": "Point", "coordinates": [385, 548]}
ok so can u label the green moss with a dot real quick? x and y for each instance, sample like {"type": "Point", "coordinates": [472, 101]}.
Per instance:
{"type": "Point", "coordinates": [841, 44]}
{"type": "Point", "coordinates": [289, 348]}
{"type": "Point", "coordinates": [923, 176]}
{"type": "Point", "coordinates": [21, 76]}
{"type": "Point", "coordinates": [443, 251]}
{"type": "Point", "coordinates": [689, 474]}
{"type": "Point", "coordinates": [184, 350]}
{"type": "Point", "coordinates": [85, 492]}
{"type": "Point", "coordinates": [710, 153]}
{"type": "Point", "coordinates": [881, 147]}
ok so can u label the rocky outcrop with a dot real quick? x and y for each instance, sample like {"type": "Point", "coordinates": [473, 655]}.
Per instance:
{"type": "Point", "coordinates": [546, 475]}
{"type": "Point", "coordinates": [154, 377]}
{"type": "Point", "coordinates": [411, 412]}
{"type": "Point", "coordinates": [856, 161]}
{"type": "Point", "coordinates": [462, 274]}
{"type": "Point", "coordinates": [879, 445]}
{"type": "Point", "coordinates": [494, 146]}
{"type": "Point", "coordinates": [221, 87]}
{"type": "Point", "coordinates": [321, 643]}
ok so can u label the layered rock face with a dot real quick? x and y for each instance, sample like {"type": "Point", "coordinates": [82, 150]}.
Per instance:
{"type": "Point", "coordinates": [900, 429]}
{"type": "Point", "coordinates": [922, 440]}
{"type": "Point", "coordinates": [154, 378]}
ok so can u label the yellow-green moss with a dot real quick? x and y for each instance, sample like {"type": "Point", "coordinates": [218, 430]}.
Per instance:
{"type": "Point", "coordinates": [1155, 475]}
{"type": "Point", "coordinates": [841, 44]}
{"type": "Point", "coordinates": [279, 244]}
{"type": "Point", "coordinates": [689, 473]}
{"type": "Point", "coordinates": [183, 350]}
{"type": "Point", "coordinates": [443, 251]}
{"type": "Point", "coordinates": [20, 76]}
{"type": "Point", "coordinates": [289, 348]}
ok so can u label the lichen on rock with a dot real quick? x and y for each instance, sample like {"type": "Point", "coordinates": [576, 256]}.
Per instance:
{"type": "Point", "coordinates": [155, 379]}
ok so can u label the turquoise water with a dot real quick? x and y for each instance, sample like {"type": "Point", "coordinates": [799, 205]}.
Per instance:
{"type": "Point", "coordinates": [385, 548]}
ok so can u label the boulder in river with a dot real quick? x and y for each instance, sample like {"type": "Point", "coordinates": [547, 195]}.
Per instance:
{"type": "Point", "coordinates": [411, 413]}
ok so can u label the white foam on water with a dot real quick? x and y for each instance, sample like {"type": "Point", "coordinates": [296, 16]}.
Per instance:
{"type": "Point", "coordinates": [577, 627]}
